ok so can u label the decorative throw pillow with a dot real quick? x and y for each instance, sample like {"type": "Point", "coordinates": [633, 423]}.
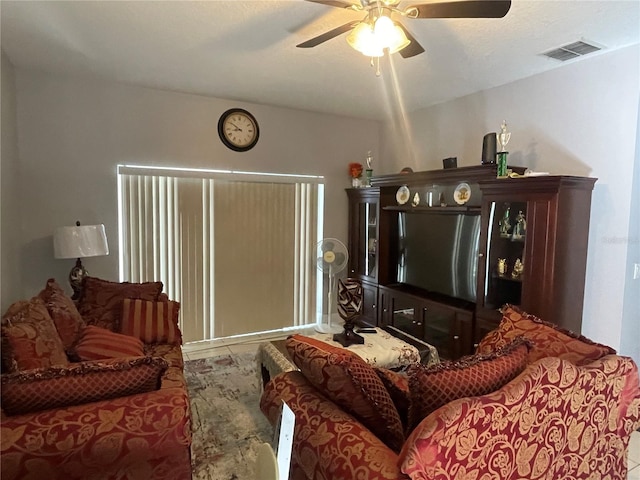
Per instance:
{"type": "Point", "coordinates": [397, 384]}
{"type": "Point", "coordinates": [85, 382]}
{"type": "Point", "coordinates": [98, 343]}
{"type": "Point", "coordinates": [151, 322]}
{"type": "Point", "coordinates": [351, 383]}
{"type": "Point", "coordinates": [31, 338]}
{"type": "Point", "coordinates": [8, 365]}
{"type": "Point", "coordinates": [547, 339]}
{"type": "Point", "coordinates": [63, 312]}
{"type": "Point", "coordinates": [101, 301]}
{"type": "Point", "coordinates": [435, 386]}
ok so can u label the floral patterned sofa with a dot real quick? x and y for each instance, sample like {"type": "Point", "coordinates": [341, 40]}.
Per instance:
{"type": "Point", "coordinates": [534, 402]}
{"type": "Point", "coordinates": [94, 390]}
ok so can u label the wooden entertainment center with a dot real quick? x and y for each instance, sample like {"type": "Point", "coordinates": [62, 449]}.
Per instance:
{"type": "Point", "coordinates": [542, 221]}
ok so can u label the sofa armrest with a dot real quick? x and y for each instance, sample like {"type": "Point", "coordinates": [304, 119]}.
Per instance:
{"type": "Point", "coordinates": [328, 443]}
{"type": "Point", "coordinates": [555, 420]}
{"type": "Point", "coordinates": [94, 438]}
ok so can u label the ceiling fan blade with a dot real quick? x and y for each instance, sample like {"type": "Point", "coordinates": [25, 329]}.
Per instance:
{"type": "Point", "coordinates": [460, 9]}
{"type": "Point", "coordinates": [337, 3]}
{"type": "Point", "coordinates": [414, 48]}
{"type": "Point", "coordinates": [328, 35]}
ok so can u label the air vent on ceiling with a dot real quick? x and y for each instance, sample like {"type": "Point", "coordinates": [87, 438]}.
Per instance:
{"type": "Point", "coordinates": [572, 50]}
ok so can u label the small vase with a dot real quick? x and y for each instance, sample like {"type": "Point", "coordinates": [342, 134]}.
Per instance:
{"type": "Point", "coordinates": [356, 182]}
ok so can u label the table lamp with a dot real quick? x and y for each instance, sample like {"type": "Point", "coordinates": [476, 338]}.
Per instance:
{"type": "Point", "coordinates": [79, 242]}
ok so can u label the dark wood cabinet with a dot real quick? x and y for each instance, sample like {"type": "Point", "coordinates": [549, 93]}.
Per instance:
{"type": "Point", "coordinates": [533, 247]}
{"type": "Point", "coordinates": [447, 328]}
{"type": "Point", "coordinates": [535, 226]}
{"type": "Point", "coordinates": [369, 314]}
{"type": "Point", "coordinates": [364, 213]}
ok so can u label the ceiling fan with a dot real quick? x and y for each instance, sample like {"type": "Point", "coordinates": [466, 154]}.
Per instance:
{"type": "Point", "coordinates": [378, 33]}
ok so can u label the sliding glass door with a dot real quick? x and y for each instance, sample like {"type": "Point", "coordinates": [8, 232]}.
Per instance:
{"type": "Point", "coordinates": [236, 250]}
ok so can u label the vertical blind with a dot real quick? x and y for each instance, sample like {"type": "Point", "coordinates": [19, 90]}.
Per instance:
{"type": "Point", "coordinates": [236, 250]}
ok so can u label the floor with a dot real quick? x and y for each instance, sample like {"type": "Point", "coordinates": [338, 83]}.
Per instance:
{"type": "Point", "coordinates": [249, 343]}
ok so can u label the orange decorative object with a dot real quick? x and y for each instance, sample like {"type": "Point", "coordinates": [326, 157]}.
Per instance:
{"type": "Point", "coordinates": [355, 170]}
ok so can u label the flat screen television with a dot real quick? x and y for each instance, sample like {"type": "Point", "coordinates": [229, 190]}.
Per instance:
{"type": "Point", "coordinates": [438, 252]}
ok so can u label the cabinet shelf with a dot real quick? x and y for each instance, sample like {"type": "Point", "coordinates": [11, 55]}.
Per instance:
{"type": "Point", "coordinates": [507, 278]}
{"type": "Point", "coordinates": [425, 209]}
{"type": "Point", "coordinates": [509, 238]}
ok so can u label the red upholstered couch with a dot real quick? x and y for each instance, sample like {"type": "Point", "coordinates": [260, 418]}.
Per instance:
{"type": "Point", "coordinates": [129, 435]}
{"type": "Point", "coordinates": [569, 414]}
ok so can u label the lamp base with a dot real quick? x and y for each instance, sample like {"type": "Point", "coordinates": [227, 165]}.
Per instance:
{"type": "Point", "coordinates": [76, 275]}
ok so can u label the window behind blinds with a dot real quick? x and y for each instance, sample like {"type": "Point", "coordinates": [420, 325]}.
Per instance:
{"type": "Point", "coordinates": [236, 250]}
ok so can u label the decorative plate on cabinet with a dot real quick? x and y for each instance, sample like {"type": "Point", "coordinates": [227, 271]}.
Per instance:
{"type": "Point", "coordinates": [462, 194]}
{"type": "Point", "coordinates": [402, 195]}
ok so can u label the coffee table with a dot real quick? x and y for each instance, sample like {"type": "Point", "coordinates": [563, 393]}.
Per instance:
{"type": "Point", "coordinates": [381, 349]}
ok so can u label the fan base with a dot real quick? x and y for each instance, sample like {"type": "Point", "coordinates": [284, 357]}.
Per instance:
{"type": "Point", "coordinates": [325, 328]}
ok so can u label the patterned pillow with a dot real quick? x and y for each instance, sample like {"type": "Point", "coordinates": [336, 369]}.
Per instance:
{"type": "Point", "coordinates": [351, 383]}
{"type": "Point", "coordinates": [8, 365]}
{"type": "Point", "coordinates": [31, 339]}
{"type": "Point", "coordinates": [85, 382]}
{"type": "Point", "coordinates": [432, 387]}
{"type": "Point", "coordinates": [101, 301]}
{"type": "Point", "coordinates": [547, 339]}
{"type": "Point", "coordinates": [397, 384]}
{"type": "Point", "coordinates": [64, 314]}
{"type": "Point", "coordinates": [151, 322]}
{"type": "Point", "coordinates": [98, 343]}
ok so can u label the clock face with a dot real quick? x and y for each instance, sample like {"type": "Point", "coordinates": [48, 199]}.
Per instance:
{"type": "Point", "coordinates": [238, 129]}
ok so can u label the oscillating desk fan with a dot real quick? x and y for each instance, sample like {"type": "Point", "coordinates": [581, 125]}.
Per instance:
{"type": "Point", "coordinates": [332, 257]}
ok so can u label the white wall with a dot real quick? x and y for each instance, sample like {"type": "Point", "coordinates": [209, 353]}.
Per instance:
{"type": "Point", "coordinates": [580, 119]}
{"type": "Point", "coordinates": [630, 336]}
{"type": "Point", "coordinates": [73, 132]}
{"type": "Point", "coordinates": [10, 278]}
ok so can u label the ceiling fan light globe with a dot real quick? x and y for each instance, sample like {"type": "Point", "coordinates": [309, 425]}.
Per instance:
{"type": "Point", "coordinates": [373, 51]}
{"type": "Point", "coordinates": [383, 28]}
{"type": "Point", "coordinates": [363, 39]}
{"type": "Point", "coordinates": [398, 41]}
{"type": "Point", "coordinates": [389, 35]}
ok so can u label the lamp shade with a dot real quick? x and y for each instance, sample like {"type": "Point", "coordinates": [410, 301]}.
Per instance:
{"type": "Point", "coordinates": [80, 241]}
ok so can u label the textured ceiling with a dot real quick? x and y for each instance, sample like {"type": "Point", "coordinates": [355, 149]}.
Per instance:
{"type": "Point", "coordinates": [245, 50]}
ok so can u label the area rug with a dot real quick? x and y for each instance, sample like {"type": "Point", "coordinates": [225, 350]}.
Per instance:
{"type": "Point", "coordinates": [228, 425]}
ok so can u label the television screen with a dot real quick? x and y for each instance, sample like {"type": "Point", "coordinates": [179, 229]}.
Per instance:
{"type": "Point", "coordinates": [438, 252]}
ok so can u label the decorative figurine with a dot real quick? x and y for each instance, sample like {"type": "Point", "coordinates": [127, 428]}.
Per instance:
{"type": "Point", "coordinates": [505, 223]}
{"type": "Point", "coordinates": [502, 266]}
{"type": "Point", "coordinates": [349, 308]}
{"type": "Point", "coordinates": [520, 228]}
{"type": "Point", "coordinates": [518, 269]}
{"type": "Point", "coordinates": [503, 138]}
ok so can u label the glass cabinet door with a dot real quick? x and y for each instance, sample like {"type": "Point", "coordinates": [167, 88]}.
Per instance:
{"type": "Point", "coordinates": [407, 316]}
{"type": "Point", "coordinates": [368, 239]}
{"type": "Point", "coordinates": [505, 262]}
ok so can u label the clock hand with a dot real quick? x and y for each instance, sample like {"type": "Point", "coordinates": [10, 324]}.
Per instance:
{"type": "Point", "coordinates": [238, 129]}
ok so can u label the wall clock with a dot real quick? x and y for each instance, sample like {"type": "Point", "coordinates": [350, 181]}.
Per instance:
{"type": "Point", "coordinates": [238, 129]}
